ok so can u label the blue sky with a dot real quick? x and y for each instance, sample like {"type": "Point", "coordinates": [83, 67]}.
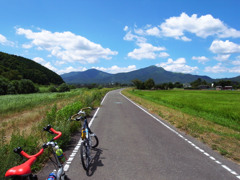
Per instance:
{"type": "Point", "coordinates": [197, 37]}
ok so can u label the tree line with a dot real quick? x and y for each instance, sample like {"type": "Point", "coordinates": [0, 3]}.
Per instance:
{"type": "Point", "coordinates": [197, 84]}
{"type": "Point", "coordinates": [26, 86]}
{"type": "Point", "coordinates": [150, 84]}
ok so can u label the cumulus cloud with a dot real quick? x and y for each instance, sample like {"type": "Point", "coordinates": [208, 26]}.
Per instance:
{"type": "Point", "coordinates": [146, 51]}
{"type": "Point", "coordinates": [45, 63]}
{"type": "Point", "coordinates": [4, 41]}
{"type": "Point", "coordinates": [66, 46]}
{"type": "Point", "coordinates": [200, 59]}
{"type": "Point", "coordinates": [177, 66]}
{"type": "Point", "coordinates": [222, 57]}
{"type": "Point", "coordinates": [132, 37]}
{"type": "Point", "coordinates": [224, 47]}
{"type": "Point", "coordinates": [177, 26]}
{"type": "Point", "coordinates": [57, 70]}
{"type": "Point", "coordinates": [115, 69]}
{"type": "Point", "coordinates": [219, 68]}
{"type": "Point", "coordinates": [71, 69]}
{"type": "Point", "coordinates": [163, 55]}
{"type": "Point", "coordinates": [237, 61]}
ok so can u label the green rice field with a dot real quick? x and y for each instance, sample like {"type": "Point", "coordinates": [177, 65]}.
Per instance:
{"type": "Point", "coordinates": [220, 107]}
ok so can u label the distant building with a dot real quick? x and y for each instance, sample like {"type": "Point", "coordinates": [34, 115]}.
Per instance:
{"type": "Point", "coordinates": [187, 85]}
{"type": "Point", "coordinates": [228, 88]}
{"type": "Point", "coordinates": [218, 88]}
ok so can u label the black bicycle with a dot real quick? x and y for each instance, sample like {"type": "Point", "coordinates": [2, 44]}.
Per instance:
{"type": "Point", "coordinates": [89, 139]}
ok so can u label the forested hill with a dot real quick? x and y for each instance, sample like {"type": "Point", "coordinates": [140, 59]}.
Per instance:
{"type": "Point", "coordinates": [15, 67]}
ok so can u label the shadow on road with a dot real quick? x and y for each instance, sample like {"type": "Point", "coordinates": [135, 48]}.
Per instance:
{"type": "Point", "coordinates": [96, 162]}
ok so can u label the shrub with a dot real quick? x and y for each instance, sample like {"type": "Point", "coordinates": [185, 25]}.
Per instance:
{"type": "Point", "coordinates": [52, 89]}
{"type": "Point", "coordinates": [64, 87]}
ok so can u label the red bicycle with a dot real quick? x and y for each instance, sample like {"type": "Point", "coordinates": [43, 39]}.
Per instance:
{"type": "Point", "coordinates": [23, 171]}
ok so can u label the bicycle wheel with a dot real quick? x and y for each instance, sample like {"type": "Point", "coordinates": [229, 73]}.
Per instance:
{"type": "Point", "coordinates": [94, 141]}
{"type": "Point", "coordinates": [85, 155]}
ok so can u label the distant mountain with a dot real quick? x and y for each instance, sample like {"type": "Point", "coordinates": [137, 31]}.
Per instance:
{"type": "Point", "coordinates": [158, 74]}
{"type": "Point", "coordinates": [86, 77]}
{"type": "Point", "coordinates": [236, 79]}
{"type": "Point", "coordinates": [16, 67]}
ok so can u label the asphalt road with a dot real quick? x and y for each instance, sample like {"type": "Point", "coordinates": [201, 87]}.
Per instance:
{"type": "Point", "coordinates": [136, 145]}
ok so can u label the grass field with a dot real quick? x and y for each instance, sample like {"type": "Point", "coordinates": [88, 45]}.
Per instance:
{"type": "Point", "coordinates": [24, 116]}
{"type": "Point", "coordinates": [211, 116]}
{"type": "Point", "coordinates": [17, 103]}
{"type": "Point", "coordinates": [221, 107]}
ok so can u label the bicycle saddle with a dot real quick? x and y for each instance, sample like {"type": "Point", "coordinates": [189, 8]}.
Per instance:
{"type": "Point", "coordinates": [23, 169]}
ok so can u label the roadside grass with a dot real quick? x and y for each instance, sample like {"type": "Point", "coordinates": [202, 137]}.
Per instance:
{"type": "Point", "coordinates": [210, 116]}
{"type": "Point", "coordinates": [17, 103]}
{"type": "Point", "coordinates": [28, 133]}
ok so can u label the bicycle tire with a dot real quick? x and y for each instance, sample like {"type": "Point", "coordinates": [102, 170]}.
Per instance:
{"type": "Point", "coordinates": [95, 141]}
{"type": "Point", "coordinates": [84, 154]}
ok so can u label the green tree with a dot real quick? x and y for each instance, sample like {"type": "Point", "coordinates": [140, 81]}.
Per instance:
{"type": "Point", "coordinates": [198, 82]}
{"type": "Point", "coordinates": [138, 84]}
{"type": "Point", "coordinates": [149, 84]}
{"type": "Point", "coordinates": [26, 86]}
{"type": "Point", "coordinates": [3, 85]}
{"type": "Point", "coordinates": [64, 87]}
{"type": "Point", "coordinates": [13, 87]}
{"type": "Point", "coordinates": [52, 89]}
{"type": "Point", "coordinates": [178, 85]}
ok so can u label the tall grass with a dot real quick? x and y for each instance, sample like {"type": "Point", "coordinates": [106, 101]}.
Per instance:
{"type": "Point", "coordinates": [58, 118]}
{"type": "Point", "coordinates": [16, 103]}
{"type": "Point", "coordinates": [221, 107]}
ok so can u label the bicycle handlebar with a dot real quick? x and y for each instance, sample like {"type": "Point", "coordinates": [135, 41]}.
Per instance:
{"type": "Point", "coordinates": [25, 168]}
{"type": "Point", "coordinates": [81, 112]}
{"type": "Point", "coordinates": [19, 150]}
{"type": "Point", "coordinates": [53, 131]}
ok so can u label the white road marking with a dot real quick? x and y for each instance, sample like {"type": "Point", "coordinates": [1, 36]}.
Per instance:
{"type": "Point", "coordinates": [67, 165]}
{"type": "Point", "coordinates": [201, 150]}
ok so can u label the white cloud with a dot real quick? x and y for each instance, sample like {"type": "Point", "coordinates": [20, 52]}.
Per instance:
{"type": "Point", "coordinates": [125, 28]}
{"type": "Point", "coordinates": [219, 68]}
{"type": "Point", "coordinates": [184, 38]}
{"type": "Point", "coordinates": [4, 41]}
{"type": "Point", "coordinates": [163, 55]}
{"type": "Point", "coordinates": [39, 60]}
{"type": "Point", "coordinates": [66, 46]}
{"type": "Point", "coordinates": [146, 51]}
{"type": "Point", "coordinates": [202, 26]}
{"type": "Point", "coordinates": [132, 37]}
{"type": "Point", "coordinates": [115, 69]}
{"type": "Point", "coordinates": [222, 57]}
{"type": "Point", "coordinates": [235, 69]}
{"type": "Point", "coordinates": [200, 59]}
{"type": "Point", "coordinates": [45, 63]}
{"type": "Point", "coordinates": [237, 61]}
{"type": "Point", "coordinates": [153, 31]}
{"type": "Point", "coordinates": [71, 69]}
{"type": "Point", "coordinates": [177, 66]}
{"type": "Point", "coordinates": [224, 47]}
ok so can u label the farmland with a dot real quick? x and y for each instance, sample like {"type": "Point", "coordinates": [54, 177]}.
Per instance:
{"type": "Point", "coordinates": [211, 116]}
